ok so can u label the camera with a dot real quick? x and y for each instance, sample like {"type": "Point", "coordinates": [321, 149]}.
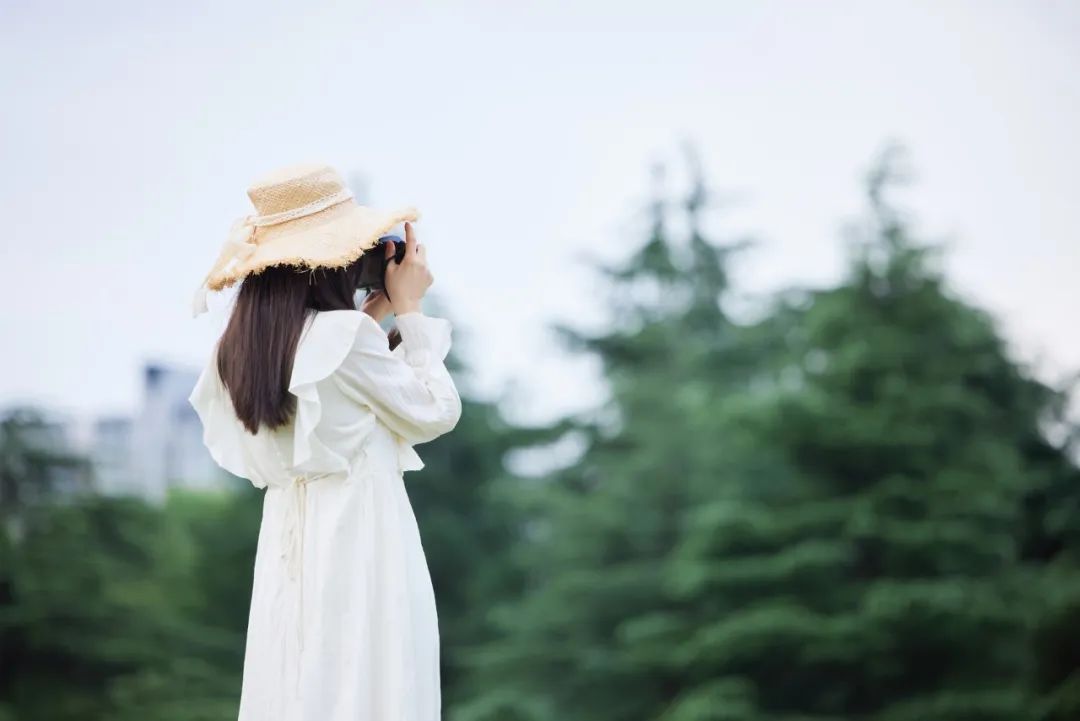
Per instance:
{"type": "Point", "coordinates": [373, 272]}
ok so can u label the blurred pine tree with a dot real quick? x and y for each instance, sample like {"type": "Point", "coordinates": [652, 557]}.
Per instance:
{"type": "Point", "coordinates": [847, 510]}
{"type": "Point", "coordinates": [891, 581]}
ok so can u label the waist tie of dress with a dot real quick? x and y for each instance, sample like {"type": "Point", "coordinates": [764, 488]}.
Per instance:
{"type": "Point", "coordinates": [292, 545]}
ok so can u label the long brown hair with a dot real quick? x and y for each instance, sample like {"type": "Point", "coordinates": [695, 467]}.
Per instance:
{"type": "Point", "coordinates": [255, 354]}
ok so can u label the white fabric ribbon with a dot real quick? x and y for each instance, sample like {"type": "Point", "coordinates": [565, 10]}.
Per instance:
{"type": "Point", "coordinates": [292, 547]}
{"type": "Point", "coordinates": [294, 518]}
{"type": "Point", "coordinates": [292, 553]}
{"type": "Point", "coordinates": [238, 247]}
{"type": "Point", "coordinates": [240, 243]}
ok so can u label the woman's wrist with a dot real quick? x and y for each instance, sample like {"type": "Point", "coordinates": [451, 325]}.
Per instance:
{"type": "Point", "coordinates": [407, 307]}
{"type": "Point", "coordinates": [377, 305]}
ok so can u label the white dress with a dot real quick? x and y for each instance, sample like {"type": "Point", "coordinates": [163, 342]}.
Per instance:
{"type": "Point", "coordinates": [343, 624]}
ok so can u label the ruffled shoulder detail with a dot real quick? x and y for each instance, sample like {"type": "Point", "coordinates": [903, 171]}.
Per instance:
{"type": "Point", "coordinates": [223, 434]}
{"type": "Point", "coordinates": [323, 347]}
{"type": "Point", "coordinates": [324, 343]}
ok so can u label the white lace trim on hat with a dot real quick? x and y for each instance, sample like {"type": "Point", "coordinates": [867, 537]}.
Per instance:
{"type": "Point", "coordinates": [309, 209]}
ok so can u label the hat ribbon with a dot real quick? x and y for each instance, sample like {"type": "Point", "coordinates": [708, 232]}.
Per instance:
{"type": "Point", "coordinates": [240, 243]}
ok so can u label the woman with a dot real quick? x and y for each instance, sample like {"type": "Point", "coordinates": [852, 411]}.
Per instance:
{"type": "Point", "coordinates": [308, 397]}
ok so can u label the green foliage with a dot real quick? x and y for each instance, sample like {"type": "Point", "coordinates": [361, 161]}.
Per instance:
{"type": "Point", "coordinates": [120, 606]}
{"type": "Point", "coordinates": [848, 509]}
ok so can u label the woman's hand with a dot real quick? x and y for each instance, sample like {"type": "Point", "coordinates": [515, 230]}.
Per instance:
{"type": "Point", "coordinates": [376, 304]}
{"type": "Point", "coordinates": [408, 280]}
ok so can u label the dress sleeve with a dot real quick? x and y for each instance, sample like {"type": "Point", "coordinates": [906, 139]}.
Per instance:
{"type": "Point", "coordinates": [409, 389]}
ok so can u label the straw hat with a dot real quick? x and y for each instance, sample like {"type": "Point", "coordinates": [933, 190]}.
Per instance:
{"type": "Point", "coordinates": [306, 216]}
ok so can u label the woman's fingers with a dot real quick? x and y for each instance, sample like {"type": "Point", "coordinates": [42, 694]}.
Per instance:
{"type": "Point", "coordinates": [413, 247]}
{"type": "Point", "coordinates": [410, 239]}
{"type": "Point", "coordinates": [406, 285]}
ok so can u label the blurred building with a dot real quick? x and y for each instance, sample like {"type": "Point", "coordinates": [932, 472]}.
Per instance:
{"type": "Point", "coordinates": [110, 453]}
{"type": "Point", "coordinates": [161, 446]}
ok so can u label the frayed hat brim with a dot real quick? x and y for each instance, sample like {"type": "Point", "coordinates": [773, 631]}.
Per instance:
{"type": "Point", "coordinates": [331, 238]}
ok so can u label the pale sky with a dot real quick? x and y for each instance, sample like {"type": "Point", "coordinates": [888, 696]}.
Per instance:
{"type": "Point", "coordinates": [131, 130]}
